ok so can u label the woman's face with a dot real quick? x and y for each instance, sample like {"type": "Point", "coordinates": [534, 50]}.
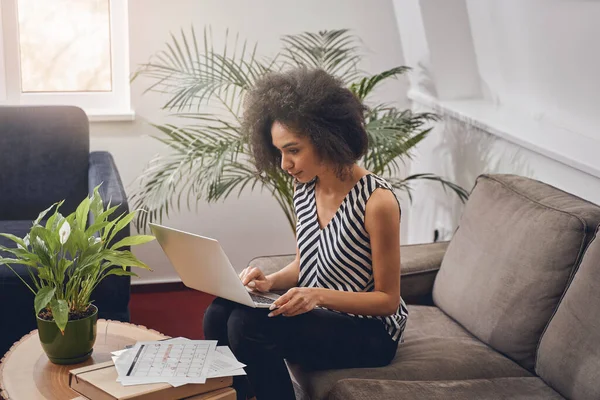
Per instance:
{"type": "Point", "coordinates": [298, 155]}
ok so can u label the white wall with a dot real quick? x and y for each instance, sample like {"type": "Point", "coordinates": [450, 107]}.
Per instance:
{"type": "Point", "coordinates": [541, 57]}
{"type": "Point", "coordinates": [252, 225]}
{"type": "Point", "coordinates": [537, 62]}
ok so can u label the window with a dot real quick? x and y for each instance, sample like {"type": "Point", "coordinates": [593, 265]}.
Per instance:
{"type": "Point", "coordinates": [66, 52]}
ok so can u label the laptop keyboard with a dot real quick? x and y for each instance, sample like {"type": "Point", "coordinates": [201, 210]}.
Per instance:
{"type": "Point", "coordinates": [260, 299]}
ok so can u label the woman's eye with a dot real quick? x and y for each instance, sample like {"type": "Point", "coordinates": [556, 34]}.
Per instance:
{"type": "Point", "coordinates": [293, 151]}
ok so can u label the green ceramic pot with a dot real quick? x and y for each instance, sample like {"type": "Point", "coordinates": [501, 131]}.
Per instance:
{"type": "Point", "coordinates": [75, 346]}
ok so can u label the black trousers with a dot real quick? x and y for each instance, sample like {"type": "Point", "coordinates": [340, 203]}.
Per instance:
{"type": "Point", "coordinates": [320, 339]}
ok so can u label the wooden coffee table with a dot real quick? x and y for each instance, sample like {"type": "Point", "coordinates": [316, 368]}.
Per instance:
{"type": "Point", "coordinates": [27, 374]}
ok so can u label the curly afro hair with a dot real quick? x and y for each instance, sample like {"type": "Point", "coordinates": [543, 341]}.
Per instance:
{"type": "Point", "coordinates": [309, 102]}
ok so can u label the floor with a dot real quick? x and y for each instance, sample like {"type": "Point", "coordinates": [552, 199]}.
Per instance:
{"type": "Point", "coordinates": [173, 311]}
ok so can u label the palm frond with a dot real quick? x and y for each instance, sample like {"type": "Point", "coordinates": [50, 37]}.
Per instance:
{"type": "Point", "coordinates": [198, 156]}
{"type": "Point", "coordinates": [404, 184]}
{"type": "Point", "coordinates": [234, 176]}
{"type": "Point", "coordinates": [392, 136]}
{"type": "Point", "coordinates": [192, 76]}
{"type": "Point", "coordinates": [363, 87]}
{"type": "Point", "coordinates": [333, 51]}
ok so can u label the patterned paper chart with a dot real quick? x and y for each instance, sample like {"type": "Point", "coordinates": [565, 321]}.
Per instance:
{"type": "Point", "coordinates": [185, 361]}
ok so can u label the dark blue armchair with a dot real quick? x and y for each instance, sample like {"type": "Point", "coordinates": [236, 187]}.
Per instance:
{"type": "Point", "coordinates": [44, 158]}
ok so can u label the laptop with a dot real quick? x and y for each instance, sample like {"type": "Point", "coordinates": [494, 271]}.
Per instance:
{"type": "Point", "coordinates": [202, 264]}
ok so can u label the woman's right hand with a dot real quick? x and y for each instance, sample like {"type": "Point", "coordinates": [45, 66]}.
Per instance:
{"type": "Point", "coordinates": [254, 278]}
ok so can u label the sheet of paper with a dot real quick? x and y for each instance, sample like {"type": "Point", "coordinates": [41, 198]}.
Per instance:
{"type": "Point", "coordinates": [174, 361]}
{"type": "Point", "coordinates": [226, 351]}
{"type": "Point", "coordinates": [221, 365]}
{"type": "Point", "coordinates": [119, 352]}
{"type": "Point", "coordinates": [120, 359]}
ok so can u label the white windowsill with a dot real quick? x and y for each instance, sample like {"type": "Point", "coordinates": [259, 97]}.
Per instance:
{"type": "Point", "coordinates": [110, 115]}
{"type": "Point", "coordinates": [570, 148]}
{"type": "Point", "coordinates": [142, 281]}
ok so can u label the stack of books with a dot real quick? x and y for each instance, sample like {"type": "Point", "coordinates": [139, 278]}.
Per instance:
{"type": "Point", "coordinates": [176, 368]}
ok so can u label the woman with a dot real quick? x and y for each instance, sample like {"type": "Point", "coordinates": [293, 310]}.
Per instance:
{"type": "Point", "coordinates": [342, 308]}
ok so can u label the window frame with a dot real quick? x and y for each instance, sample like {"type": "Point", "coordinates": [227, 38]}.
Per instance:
{"type": "Point", "coordinates": [99, 106]}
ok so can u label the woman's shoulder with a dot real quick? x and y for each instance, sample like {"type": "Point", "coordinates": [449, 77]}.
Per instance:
{"type": "Point", "coordinates": [379, 182]}
{"type": "Point", "coordinates": [382, 197]}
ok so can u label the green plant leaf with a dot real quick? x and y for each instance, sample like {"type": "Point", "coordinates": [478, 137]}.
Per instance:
{"type": "Point", "coordinates": [55, 221]}
{"type": "Point", "coordinates": [49, 238]}
{"type": "Point", "coordinates": [120, 224]}
{"type": "Point", "coordinates": [107, 230]}
{"type": "Point", "coordinates": [21, 253]}
{"type": "Point", "coordinates": [42, 298]}
{"type": "Point", "coordinates": [63, 265]}
{"type": "Point", "coordinates": [334, 51]}
{"type": "Point", "coordinates": [15, 239]}
{"type": "Point", "coordinates": [96, 204]}
{"type": "Point", "coordinates": [132, 241]}
{"type": "Point", "coordinates": [18, 261]}
{"type": "Point", "coordinates": [81, 214]}
{"type": "Point", "coordinates": [104, 215]}
{"type": "Point", "coordinates": [462, 194]}
{"type": "Point", "coordinates": [46, 211]}
{"type": "Point", "coordinates": [125, 259]}
{"type": "Point", "coordinates": [45, 274]}
{"type": "Point", "coordinates": [362, 88]}
{"type": "Point", "coordinates": [119, 272]}
{"type": "Point", "coordinates": [42, 244]}
{"type": "Point", "coordinates": [60, 313]}
{"type": "Point", "coordinates": [96, 227]}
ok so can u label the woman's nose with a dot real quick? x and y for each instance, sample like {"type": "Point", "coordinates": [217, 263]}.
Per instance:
{"type": "Point", "coordinates": [285, 163]}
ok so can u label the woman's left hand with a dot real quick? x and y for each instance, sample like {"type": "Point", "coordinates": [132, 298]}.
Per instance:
{"type": "Point", "coordinates": [295, 301]}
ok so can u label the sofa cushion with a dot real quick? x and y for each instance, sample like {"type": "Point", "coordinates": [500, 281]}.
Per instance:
{"type": "Point", "coordinates": [45, 159]}
{"type": "Point", "coordinates": [481, 389]}
{"type": "Point", "coordinates": [508, 264]}
{"type": "Point", "coordinates": [569, 355]}
{"type": "Point", "coordinates": [434, 348]}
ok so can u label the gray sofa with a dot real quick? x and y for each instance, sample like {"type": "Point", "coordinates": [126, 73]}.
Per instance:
{"type": "Point", "coordinates": [508, 309]}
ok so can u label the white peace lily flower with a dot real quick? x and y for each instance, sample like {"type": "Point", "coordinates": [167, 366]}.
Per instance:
{"type": "Point", "coordinates": [64, 232]}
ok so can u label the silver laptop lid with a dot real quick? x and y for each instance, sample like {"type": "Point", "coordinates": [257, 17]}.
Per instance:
{"type": "Point", "coordinates": [201, 264]}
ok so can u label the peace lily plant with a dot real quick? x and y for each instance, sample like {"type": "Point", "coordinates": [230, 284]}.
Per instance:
{"type": "Point", "coordinates": [66, 260]}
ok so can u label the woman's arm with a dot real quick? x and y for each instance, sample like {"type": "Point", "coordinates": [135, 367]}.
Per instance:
{"type": "Point", "coordinates": [283, 279]}
{"type": "Point", "coordinates": [287, 277]}
{"type": "Point", "coordinates": [382, 222]}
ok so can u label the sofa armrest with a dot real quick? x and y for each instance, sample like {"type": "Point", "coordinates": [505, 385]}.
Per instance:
{"type": "Point", "coordinates": [113, 293]}
{"type": "Point", "coordinates": [420, 265]}
{"type": "Point", "coordinates": [530, 388]}
{"type": "Point", "coordinates": [271, 264]}
{"type": "Point", "coordinates": [103, 170]}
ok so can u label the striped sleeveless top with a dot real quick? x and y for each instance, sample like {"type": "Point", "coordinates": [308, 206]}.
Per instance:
{"type": "Point", "coordinates": [339, 255]}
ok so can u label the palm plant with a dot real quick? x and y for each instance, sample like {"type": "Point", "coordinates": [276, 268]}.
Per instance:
{"type": "Point", "coordinates": [209, 157]}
